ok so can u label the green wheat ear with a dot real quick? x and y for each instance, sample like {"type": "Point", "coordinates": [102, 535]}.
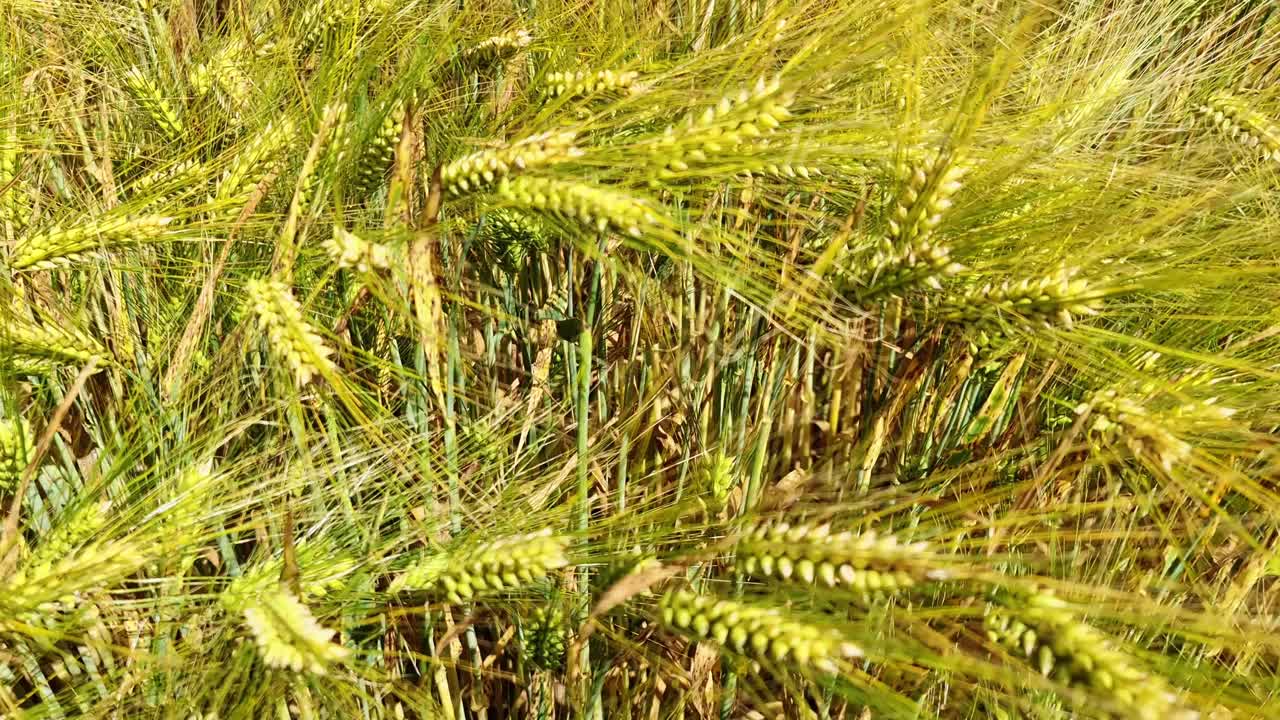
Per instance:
{"type": "Point", "coordinates": [42, 347]}
{"type": "Point", "coordinates": [581, 83]}
{"type": "Point", "coordinates": [58, 246]}
{"type": "Point", "coordinates": [14, 203]}
{"type": "Point", "coordinates": [762, 632]}
{"type": "Point", "coordinates": [1045, 632]}
{"type": "Point", "coordinates": [253, 163]}
{"type": "Point", "coordinates": [1233, 117]}
{"type": "Point", "coordinates": [375, 157]}
{"type": "Point", "coordinates": [17, 445]}
{"type": "Point", "coordinates": [155, 105]}
{"type": "Point", "coordinates": [732, 122]}
{"type": "Point", "coordinates": [288, 635]}
{"type": "Point", "coordinates": [508, 563]}
{"type": "Point", "coordinates": [291, 337]}
{"type": "Point", "coordinates": [499, 47]}
{"type": "Point", "coordinates": [545, 633]}
{"type": "Point", "coordinates": [1054, 299]}
{"type": "Point", "coordinates": [81, 526]}
{"type": "Point", "coordinates": [483, 168]}
{"type": "Point", "coordinates": [596, 208]}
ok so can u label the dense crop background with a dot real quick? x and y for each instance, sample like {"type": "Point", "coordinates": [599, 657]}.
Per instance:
{"type": "Point", "coordinates": [660, 359]}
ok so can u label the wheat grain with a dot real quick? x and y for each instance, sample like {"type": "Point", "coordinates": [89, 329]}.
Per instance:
{"type": "Point", "coordinates": [62, 344]}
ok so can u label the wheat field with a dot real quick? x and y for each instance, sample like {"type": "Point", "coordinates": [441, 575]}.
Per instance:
{"type": "Point", "coordinates": [639, 359]}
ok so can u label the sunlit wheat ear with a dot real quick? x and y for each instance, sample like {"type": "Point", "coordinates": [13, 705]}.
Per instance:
{"type": "Point", "coordinates": [1074, 654]}
{"type": "Point", "coordinates": [721, 128]}
{"type": "Point", "coordinates": [375, 157]}
{"type": "Point", "coordinates": [1233, 117]}
{"type": "Point", "coordinates": [499, 47]}
{"type": "Point", "coordinates": [59, 246]}
{"type": "Point", "coordinates": [1054, 299]}
{"type": "Point", "coordinates": [254, 162]}
{"type": "Point", "coordinates": [924, 197]}
{"type": "Point", "coordinates": [482, 169]}
{"type": "Point", "coordinates": [508, 563]}
{"type": "Point", "coordinates": [17, 445]}
{"type": "Point", "coordinates": [582, 83]}
{"type": "Point", "coordinates": [592, 206]}
{"type": "Point", "coordinates": [49, 345]}
{"type": "Point", "coordinates": [761, 632]}
{"type": "Point", "coordinates": [348, 250]}
{"type": "Point", "coordinates": [289, 637]}
{"type": "Point", "coordinates": [153, 103]}
{"type": "Point", "coordinates": [291, 336]}
{"type": "Point", "coordinates": [812, 553]}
